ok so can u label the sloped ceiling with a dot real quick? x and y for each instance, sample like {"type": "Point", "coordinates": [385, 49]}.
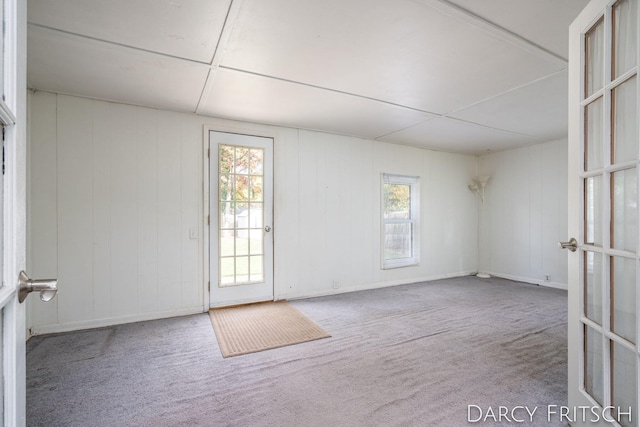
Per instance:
{"type": "Point", "coordinates": [466, 76]}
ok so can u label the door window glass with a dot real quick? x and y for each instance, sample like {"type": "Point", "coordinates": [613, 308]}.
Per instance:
{"type": "Point", "coordinates": [241, 204]}
{"type": "Point", "coordinates": [624, 387]}
{"type": "Point", "coordinates": [623, 297]}
{"type": "Point", "coordinates": [593, 135]}
{"type": "Point", "coordinates": [593, 208]}
{"type": "Point", "coordinates": [593, 364]}
{"type": "Point", "coordinates": [624, 127]}
{"type": "Point", "coordinates": [594, 53]}
{"type": "Point", "coordinates": [593, 286]}
{"type": "Point", "coordinates": [625, 36]}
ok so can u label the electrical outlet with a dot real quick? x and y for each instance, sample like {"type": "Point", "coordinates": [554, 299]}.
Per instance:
{"type": "Point", "coordinates": [547, 278]}
{"type": "Point", "coordinates": [335, 284]}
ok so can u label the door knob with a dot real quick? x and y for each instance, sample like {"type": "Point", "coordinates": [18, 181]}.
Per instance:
{"type": "Point", "coordinates": [48, 288]}
{"type": "Point", "coordinates": [267, 228]}
{"type": "Point", "coordinates": [572, 245]}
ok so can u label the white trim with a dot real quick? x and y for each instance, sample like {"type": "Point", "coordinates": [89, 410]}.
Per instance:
{"type": "Point", "coordinates": [6, 293]}
{"type": "Point", "coordinates": [555, 285]}
{"type": "Point", "coordinates": [7, 117]}
{"type": "Point", "coordinates": [371, 286]}
{"type": "Point", "coordinates": [101, 323]}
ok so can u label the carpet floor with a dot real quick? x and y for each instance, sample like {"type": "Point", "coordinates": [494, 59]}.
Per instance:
{"type": "Point", "coordinates": [414, 355]}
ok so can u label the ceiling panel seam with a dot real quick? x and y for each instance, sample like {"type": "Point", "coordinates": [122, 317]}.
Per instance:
{"type": "Point", "coordinates": [328, 89]}
{"type": "Point", "coordinates": [122, 45]}
{"type": "Point", "coordinates": [468, 122]}
{"type": "Point", "coordinates": [496, 30]}
{"type": "Point", "coordinates": [498, 95]}
{"type": "Point", "coordinates": [225, 34]}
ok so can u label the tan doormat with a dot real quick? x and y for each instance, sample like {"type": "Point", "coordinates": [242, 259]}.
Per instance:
{"type": "Point", "coordinates": [257, 327]}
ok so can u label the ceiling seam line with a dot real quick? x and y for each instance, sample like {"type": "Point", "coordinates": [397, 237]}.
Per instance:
{"type": "Point", "coordinates": [494, 128]}
{"type": "Point", "coordinates": [107, 42]}
{"type": "Point", "coordinates": [328, 90]}
{"type": "Point", "coordinates": [490, 27]}
{"type": "Point", "coordinates": [223, 40]}
{"type": "Point", "coordinates": [210, 75]}
{"type": "Point", "coordinates": [513, 89]}
{"type": "Point", "coordinates": [435, 115]}
{"type": "Point", "coordinates": [542, 139]}
{"type": "Point", "coordinates": [222, 32]}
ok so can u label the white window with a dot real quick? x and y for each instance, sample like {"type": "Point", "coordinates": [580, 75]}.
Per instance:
{"type": "Point", "coordinates": [400, 213]}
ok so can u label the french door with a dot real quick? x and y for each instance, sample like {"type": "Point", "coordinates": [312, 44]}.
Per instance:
{"type": "Point", "coordinates": [604, 274]}
{"type": "Point", "coordinates": [241, 219]}
{"type": "Point", "coordinates": [13, 16]}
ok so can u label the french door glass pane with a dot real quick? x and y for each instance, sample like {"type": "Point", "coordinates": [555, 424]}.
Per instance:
{"type": "Point", "coordinates": [623, 297]}
{"type": "Point", "coordinates": [225, 154]}
{"type": "Point", "coordinates": [240, 192]}
{"type": "Point", "coordinates": [593, 286]}
{"type": "Point", "coordinates": [624, 210]}
{"type": "Point", "coordinates": [593, 208]}
{"type": "Point", "coordinates": [227, 271]}
{"type": "Point", "coordinates": [242, 187]}
{"type": "Point", "coordinates": [242, 242]}
{"type": "Point", "coordinates": [593, 364]}
{"type": "Point", "coordinates": [624, 125]}
{"type": "Point", "coordinates": [242, 269]}
{"type": "Point", "coordinates": [625, 32]}
{"type": "Point", "coordinates": [594, 52]}
{"type": "Point", "coordinates": [257, 246]}
{"type": "Point", "coordinates": [255, 266]}
{"type": "Point", "coordinates": [256, 163]}
{"type": "Point", "coordinates": [227, 243]}
{"type": "Point", "coordinates": [241, 161]}
{"type": "Point", "coordinates": [593, 135]}
{"type": "Point", "coordinates": [624, 385]}
{"type": "Point", "coordinates": [255, 216]}
{"type": "Point", "coordinates": [255, 191]}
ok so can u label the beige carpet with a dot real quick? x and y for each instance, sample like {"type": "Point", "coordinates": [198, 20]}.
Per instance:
{"type": "Point", "coordinates": [257, 327]}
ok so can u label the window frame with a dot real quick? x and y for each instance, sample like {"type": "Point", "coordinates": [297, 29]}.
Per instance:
{"type": "Point", "coordinates": [414, 185]}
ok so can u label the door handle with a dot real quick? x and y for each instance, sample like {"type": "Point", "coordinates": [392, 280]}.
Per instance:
{"type": "Point", "coordinates": [48, 288]}
{"type": "Point", "coordinates": [267, 228]}
{"type": "Point", "coordinates": [572, 244]}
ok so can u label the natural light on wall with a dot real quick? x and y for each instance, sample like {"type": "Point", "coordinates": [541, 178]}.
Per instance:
{"type": "Point", "coordinates": [400, 213]}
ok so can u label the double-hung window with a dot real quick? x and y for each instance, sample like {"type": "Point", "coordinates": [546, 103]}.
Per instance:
{"type": "Point", "coordinates": [400, 213]}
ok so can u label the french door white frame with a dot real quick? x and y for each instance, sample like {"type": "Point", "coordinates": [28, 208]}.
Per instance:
{"type": "Point", "coordinates": [578, 397]}
{"type": "Point", "coordinates": [13, 117]}
{"type": "Point", "coordinates": [208, 281]}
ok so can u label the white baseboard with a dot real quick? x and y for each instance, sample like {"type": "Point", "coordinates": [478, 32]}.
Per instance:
{"type": "Point", "coordinates": [100, 323]}
{"type": "Point", "coordinates": [368, 286]}
{"type": "Point", "coordinates": [555, 285]}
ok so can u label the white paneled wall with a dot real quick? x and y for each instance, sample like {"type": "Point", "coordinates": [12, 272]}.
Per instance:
{"type": "Point", "coordinates": [115, 191]}
{"type": "Point", "coordinates": [525, 214]}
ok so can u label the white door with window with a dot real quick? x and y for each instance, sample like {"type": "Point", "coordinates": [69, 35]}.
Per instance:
{"type": "Point", "coordinates": [604, 275]}
{"type": "Point", "coordinates": [241, 219]}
